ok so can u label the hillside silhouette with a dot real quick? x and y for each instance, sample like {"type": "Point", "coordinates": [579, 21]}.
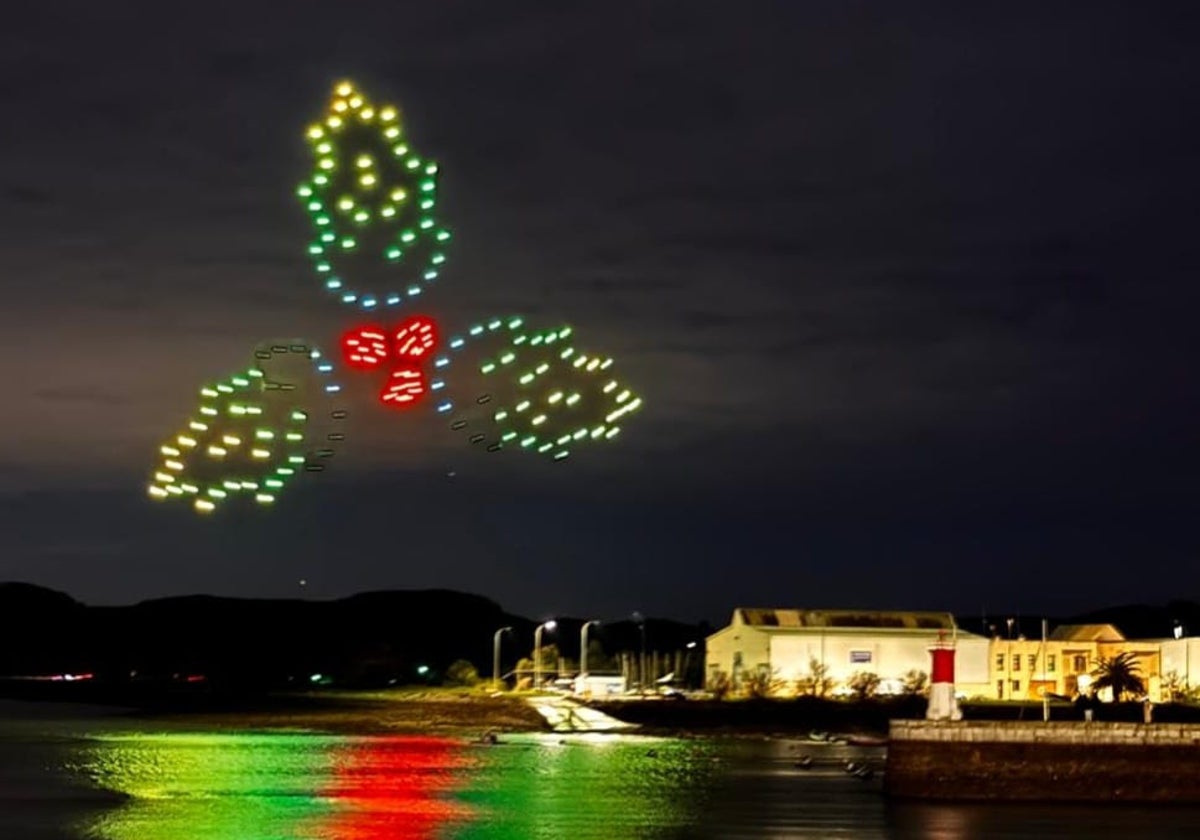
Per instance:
{"type": "Point", "coordinates": [232, 646]}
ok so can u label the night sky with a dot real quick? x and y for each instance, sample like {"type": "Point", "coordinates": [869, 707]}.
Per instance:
{"type": "Point", "coordinates": [909, 290]}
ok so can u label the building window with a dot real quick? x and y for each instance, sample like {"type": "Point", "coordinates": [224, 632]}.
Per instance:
{"type": "Point", "coordinates": [999, 689]}
{"type": "Point", "coordinates": [860, 656]}
{"type": "Point", "coordinates": [1032, 663]}
{"type": "Point", "coordinates": [999, 661]}
{"type": "Point", "coordinates": [1016, 662]}
{"type": "Point", "coordinates": [1080, 664]}
{"type": "Point", "coordinates": [1050, 657]}
{"type": "Point", "coordinates": [1016, 687]}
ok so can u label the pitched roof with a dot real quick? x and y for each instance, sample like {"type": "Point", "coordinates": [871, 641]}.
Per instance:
{"type": "Point", "coordinates": [798, 619]}
{"type": "Point", "coordinates": [1087, 633]}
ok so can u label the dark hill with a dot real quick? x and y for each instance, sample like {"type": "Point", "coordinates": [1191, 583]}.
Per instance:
{"type": "Point", "coordinates": [1140, 621]}
{"type": "Point", "coordinates": [40, 629]}
{"type": "Point", "coordinates": [1135, 621]}
{"type": "Point", "coordinates": [237, 645]}
{"type": "Point", "coordinates": [31, 599]}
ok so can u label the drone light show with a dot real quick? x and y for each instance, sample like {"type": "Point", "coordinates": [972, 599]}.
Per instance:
{"type": "Point", "coordinates": [377, 244]}
{"type": "Point", "coordinates": [255, 431]}
{"type": "Point", "coordinates": [400, 352]}
{"type": "Point", "coordinates": [371, 200]}
{"type": "Point", "coordinates": [506, 386]}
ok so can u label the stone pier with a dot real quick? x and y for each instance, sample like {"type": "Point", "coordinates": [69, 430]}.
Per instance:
{"type": "Point", "coordinates": [1036, 761]}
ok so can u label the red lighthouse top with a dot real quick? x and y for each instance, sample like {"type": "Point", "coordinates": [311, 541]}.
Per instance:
{"type": "Point", "coordinates": [942, 669]}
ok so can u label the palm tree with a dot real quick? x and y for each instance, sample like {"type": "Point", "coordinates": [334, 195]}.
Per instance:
{"type": "Point", "coordinates": [1121, 674]}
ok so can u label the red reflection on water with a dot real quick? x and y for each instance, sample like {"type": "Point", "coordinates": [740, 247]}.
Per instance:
{"type": "Point", "coordinates": [394, 789]}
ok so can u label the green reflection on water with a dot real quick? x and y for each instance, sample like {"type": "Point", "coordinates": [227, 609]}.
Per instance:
{"type": "Point", "coordinates": [209, 787]}
{"type": "Point", "coordinates": [311, 787]}
{"type": "Point", "coordinates": [586, 787]}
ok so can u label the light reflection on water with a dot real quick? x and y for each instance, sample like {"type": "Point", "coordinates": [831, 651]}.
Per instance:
{"type": "Point", "coordinates": [280, 786]}
{"type": "Point", "coordinates": [263, 787]}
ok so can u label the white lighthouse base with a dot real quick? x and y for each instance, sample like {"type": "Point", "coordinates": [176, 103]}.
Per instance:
{"type": "Point", "coordinates": [943, 705]}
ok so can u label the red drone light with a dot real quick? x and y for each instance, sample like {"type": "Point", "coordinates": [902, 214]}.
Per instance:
{"type": "Point", "coordinates": [405, 386]}
{"type": "Point", "coordinates": [365, 347]}
{"type": "Point", "coordinates": [368, 347]}
{"type": "Point", "coordinates": [416, 337]}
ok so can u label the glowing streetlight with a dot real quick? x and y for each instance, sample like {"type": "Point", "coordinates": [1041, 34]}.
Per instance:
{"type": "Point", "coordinates": [537, 651]}
{"type": "Point", "coordinates": [496, 656]}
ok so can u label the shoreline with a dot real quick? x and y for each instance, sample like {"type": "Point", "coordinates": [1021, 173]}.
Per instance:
{"type": "Point", "coordinates": [348, 713]}
{"type": "Point", "coordinates": [397, 712]}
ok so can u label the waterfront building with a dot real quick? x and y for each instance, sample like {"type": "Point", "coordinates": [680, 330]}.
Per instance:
{"type": "Point", "coordinates": [785, 649]}
{"type": "Point", "coordinates": [1062, 665]}
{"type": "Point", "coordinates": [780, 651]}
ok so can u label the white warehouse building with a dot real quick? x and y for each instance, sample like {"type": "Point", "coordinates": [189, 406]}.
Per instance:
{"type": "Point", "coordinates": [784, 644]}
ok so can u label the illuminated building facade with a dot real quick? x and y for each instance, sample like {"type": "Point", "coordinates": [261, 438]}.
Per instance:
{"type": "Point", "coordinates": [784, 645]}
{"type": "Point", "coordinates": [782, 650]}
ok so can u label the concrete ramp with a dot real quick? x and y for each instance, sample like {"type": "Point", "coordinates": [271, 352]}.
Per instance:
{"type": "Point", "coordinates": [567, 715]}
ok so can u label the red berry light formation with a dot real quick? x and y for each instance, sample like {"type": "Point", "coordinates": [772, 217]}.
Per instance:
{"type": "Point", "coordinates": [401, 351]}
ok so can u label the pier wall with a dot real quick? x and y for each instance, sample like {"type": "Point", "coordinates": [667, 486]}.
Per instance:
{"type": "Point", "coordinates": [1035, 761]}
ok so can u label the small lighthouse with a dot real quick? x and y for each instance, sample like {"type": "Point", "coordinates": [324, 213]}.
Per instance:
{"type": "Point", "coordinates": [943, 705]}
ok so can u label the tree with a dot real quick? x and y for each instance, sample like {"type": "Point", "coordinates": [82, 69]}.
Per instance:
{"type": "Point", "coordinates": [915, 682]}
{"type": "Point", "coordinates": [1177, 690]}
{"type": "Point", "coordinates": [1119, 673]}
{"type": "Point", "coordinates": [525, 666]}
{"type": "Point", "coordinates": [762, 683]}
{"type": "Point", "coordinates": [864, 684]}
{"type": "Point", "coordinates": [462, 672]}
{"type": "Point", "coordinates": [720, 685]}
{"type": "Point", "coordinates": [817, 682]}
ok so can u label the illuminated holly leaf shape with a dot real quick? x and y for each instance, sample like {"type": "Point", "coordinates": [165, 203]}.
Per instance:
{"type": "Point", "coordinates": [509, 387]}
{"type": "Point", "coordinates": [253, 432]}
{"type": "Point", "coordinates": [371, 200]}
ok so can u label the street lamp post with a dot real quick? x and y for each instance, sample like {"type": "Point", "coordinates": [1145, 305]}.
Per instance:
{"type": "Point", "coordinates": [641, 623]}
{"type": "Point", "coordinates": [583, 648]}
{"type": "Point", "coordinates": [537, 651]}
{"type": "Point", "coordinates": [1180, 632]}
{"type": "Point", "coordinates": [496, 656]}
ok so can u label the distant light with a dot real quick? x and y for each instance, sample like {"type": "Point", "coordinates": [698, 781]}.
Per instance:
{"type": "Point", "coordinates": [691, 645]}
{"type": "Point", "coordinates": [316, 678]}
{"type": "Point", "coordinates": [422, 670]}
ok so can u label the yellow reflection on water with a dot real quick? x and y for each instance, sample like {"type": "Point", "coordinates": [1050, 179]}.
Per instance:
{"type": "Point", "coordinates": [248, 787]}
{"type": "Point", "coordinates": [310, 787]}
